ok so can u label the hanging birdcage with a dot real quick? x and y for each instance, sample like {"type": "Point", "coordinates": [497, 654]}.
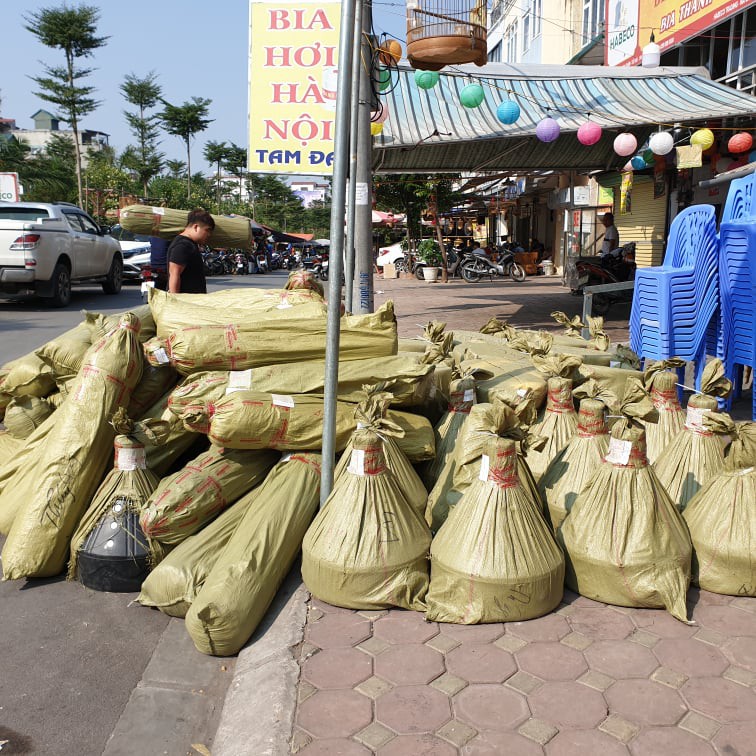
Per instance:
{"type": "Point", "coordinates": [446, 32]}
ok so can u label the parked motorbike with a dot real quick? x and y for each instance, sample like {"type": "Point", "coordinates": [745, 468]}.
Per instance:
{"type": "Point", "coordinates": [475, 265]}
{"type": "Point", "coordinates": [320, 267]}
{"type": "Point", "coordinates": [452, 265]}
{"type": "Point", "coordinates": [241, 263]}
{"type": "Point", "coordinates": [615, 267]}
{"type": "Point", "coordinates": [262, 262]}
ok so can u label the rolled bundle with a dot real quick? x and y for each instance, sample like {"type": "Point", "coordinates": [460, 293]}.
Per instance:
{"type": "Point", "coordinates": [304, 280]}
{"type": "Point", "coordinates": [246, 576]}
{"type": "Point", "coordinates": [696, 453]}
{"type": "Point", "coordinates": [625, 542]}
{"type": "Point", "coordinates": [662, 385]}
{"type": "Point", "coordinates": [24, 414]}
{"type": "Point", "coordinates": [368, 547]}
{"type": "Point", "coordinates": [573, 467]}
{"type": "Point", "coordinates": [495, 558]}
{"type": "Point", "coordinates": [26, 376]}
{"type": "Point", "coordinates": [721, 517]}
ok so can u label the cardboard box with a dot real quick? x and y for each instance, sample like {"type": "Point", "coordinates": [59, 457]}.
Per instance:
{"type": "Point", "coordinates": [390, 271]}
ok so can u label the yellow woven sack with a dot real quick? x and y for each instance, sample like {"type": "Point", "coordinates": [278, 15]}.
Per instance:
{"type": "Point", "coordinates": [25, 414]}
{"type": "Point", "coordinates": [27, 376]}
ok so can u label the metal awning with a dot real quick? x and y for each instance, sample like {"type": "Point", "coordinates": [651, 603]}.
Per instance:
{"type": "Point", "coordinates": [428, 131]}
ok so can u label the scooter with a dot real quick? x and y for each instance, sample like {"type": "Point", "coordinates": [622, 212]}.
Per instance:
{"type": "Point", "coordinates": [452, 265]}
{"type": "Point", "coordinates": [615, 267]}
{"type": "Point", "coordinates": [262, 262]}
{"type": "Point", "coordinates": [475, 265]}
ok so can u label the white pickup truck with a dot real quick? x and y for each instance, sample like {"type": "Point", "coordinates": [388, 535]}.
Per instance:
{"type": "Point", "coordinates": [45, 248]}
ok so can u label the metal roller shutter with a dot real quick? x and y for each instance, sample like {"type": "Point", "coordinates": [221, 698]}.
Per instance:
{"type": "Point", "coordinates": [645, 224]}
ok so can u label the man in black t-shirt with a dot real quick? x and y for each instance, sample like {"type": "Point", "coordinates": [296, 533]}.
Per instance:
{"type": "Point", "coordinates": [185, 272]}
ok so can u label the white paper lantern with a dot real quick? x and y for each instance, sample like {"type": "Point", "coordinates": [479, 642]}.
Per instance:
{"type": "Point", "coordinates": [661, 143]}
{"type": "Point", "coordinates": [625, 144]}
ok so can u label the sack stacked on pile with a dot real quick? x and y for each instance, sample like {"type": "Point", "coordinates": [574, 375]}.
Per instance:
{"type": "Point", "coordinates": [304, 280]}
{"type": "Point", "coordinates": [122, 494]}
{"type": "Point", "coordinates": [461, 400]}
{"type": "Point", "coordinates": [368, 547]}
{"type": "Point", "coordinates": [9, 446]}
{"type": "Point", "coordinates": [174, 311]}
{"type": "Point", "coordinates": [371, 415]}
{"type": "Point", "coordinates": [247, 574]}
{"type": "Point", "coordinates": [662, 385]}
{"type": "Point", "coordinates": [495, 558]}
{"type": "Point", "coordinates": [613, 379]}
{"type": "Point", "coordinates": [696, 453]}
{"type": "Point", "coordinates": [173, 584]}
{"type": "Point", "coordinates": [625, 541]}
{"type": "Point", "coordinates": [721, 517]}
{"type": "Point", "coordinates": [185, 502]}
{"type": "Point", "coordinates": [573, 467]}
{"type": "Point", "coordinates": [25, 414]}
{"type": "Point", "coordinates": [59, 478]}
{"type": "Point", "coordinates": [26, 376]}
{"type": "Point", "coordinates": [559, 423]}
{"type": "Point", "coordinates": [276, 340]}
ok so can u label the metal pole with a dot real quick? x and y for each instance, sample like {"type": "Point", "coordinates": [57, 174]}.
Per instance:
{"type": "Point", "coordinates": [346, 85]}
{"type": "Point", "coordinates": [354, 124]}
{"type": "Point", "coordinates": [363, 219]}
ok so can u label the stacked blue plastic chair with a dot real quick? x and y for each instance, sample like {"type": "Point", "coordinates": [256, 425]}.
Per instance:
{"type": "Point", "coordinates": [675, 304]}
{"type": "Point", "coordinates": [737, 269]}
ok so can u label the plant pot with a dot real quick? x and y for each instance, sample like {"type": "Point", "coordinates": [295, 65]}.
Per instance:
{"type": "Point", "coordinates": [431, 274]}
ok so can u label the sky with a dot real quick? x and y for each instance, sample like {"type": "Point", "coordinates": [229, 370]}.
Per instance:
{"type": "Point", "coordinates": [197, 49]}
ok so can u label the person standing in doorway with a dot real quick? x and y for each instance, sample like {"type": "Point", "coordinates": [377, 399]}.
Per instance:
{"type": "Point", "coordinates": [611, 235]}
{"type": "Point", "coordinates": [185, 271]}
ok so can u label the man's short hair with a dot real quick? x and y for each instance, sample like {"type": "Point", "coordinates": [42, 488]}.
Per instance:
{"type": "Point", "coordinates": [609, 217]}
{"type": "Point", "coordinates": [201, 217]}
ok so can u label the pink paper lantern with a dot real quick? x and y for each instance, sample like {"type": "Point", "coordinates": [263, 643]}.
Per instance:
{"type": "Point", "coordinates": [548, 130]}
{"type": "Point", "coordinates": [625, 144]}
{"type": "Point", "coordinates": [741, 142]}
{"type": "Point", "coordinates": [589, 133]}
{"type": "Point", "coordinates": [379, 116]}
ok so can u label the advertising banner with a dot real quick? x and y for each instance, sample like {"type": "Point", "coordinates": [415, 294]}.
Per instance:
{"type": "Point", "coordinates": [9, 187]}
{"type": "Point", "coordinates": [293, 71]}
{"type": "Point", "coordinates": [629, 24]}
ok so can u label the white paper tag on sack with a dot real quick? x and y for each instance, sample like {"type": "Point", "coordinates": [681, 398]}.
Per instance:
{"type": "Point", "coordinates": [158, 211]}
{"type": "Point", "coordinates": [522, 392]}
{"type": "Point", "coordinates": [281, 400]}
{"type": "Point", "coordinates": [357, 462]}
{"type": "Point", "coordinates": [694, 417]}
{"type": "Point", "coordinates": [469, 395]}
{"type": "Point", "coordinates": [285, 304]}
{"type": "Point", "coordinates": [615, 363]}
{"type": "Point", "coordinates": [131, 459]}
{"type": "Point", "coordinates": [239, 380]}
{"type": "Point", "coordinates": [161, 356]}
{"type": "Point", "coordinates": [619, 451]}
{"type": "Point", "coordinates": [485, 466]}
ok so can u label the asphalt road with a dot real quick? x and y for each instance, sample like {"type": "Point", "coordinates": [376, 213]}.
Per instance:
{"type": "Point", "coordinates": [70, 657]}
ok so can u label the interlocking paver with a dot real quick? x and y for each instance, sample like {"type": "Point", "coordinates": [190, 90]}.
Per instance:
{"type": "Point", "coordinates": [523, 682]}
{"type": "Point", "coordinates": [410, 709]}
{"type": "Point", "coordinates": [322, 606]}
{"type": "Point", "coordinates": [710, 637]}
{"type": "Point", "coordinates": [690, 657]}
{"type": "Point", "coordinates": [375, 735]}
{"type": "Point", "coordinates": [335, 713]}
{"type": "Point", "coordinates": [337, 668]}
{"type": "Point", "coordinates": [720, 699]}
{"type": "Point", "coordinates": [417, 745]}
{"type": "Point", "coordinates": [498, 743]}
{"type": "Point", "coordinates": [620, 659]}
{"type": "Point", "coordinates": [584, 743]}
{"type": "Point", "coordinates": [746, 603]}
{"type": "Point", "coordinates": [736, 738]}
{"type": "Point", "coordinates": [410, 664]}
{"type": "Point", "coordinates": [442, 643]}
{"type": "Point", "coordinates": [728, 620]}
{"type": "Point", "coordinates": [596, 680]}
{"type": "Point", "coordinates": [619, 727]}
{"type": "Point", "coordinates": [742, 651]}
{"type": "Point", "coordinates": [644, 638]}
{"type": "Point", "coordinates": [600, 623]}
{"type": "Point", "coordinates": [552, 627]}
{"type": "Point", "coordinates": [669, 677]}
{"type": "Point", "coordinates": [338, 630]}
{"type": "Point", "coordinates": [578, 641]}
{"type": "Point", "coordinates": [404, 627]}
{"type": "Point", "coordinates": [538, 730]}
{"type": "Point", "coordinates": [449, 684]}
{"type": "Point", "coordinates": [551, 661]}
{"type": "Point", "coordinates": [740, 675]}
{"type": "Point", "coordinates": [660, 622]}
{"type": "Point", "coordinates": [481, 663]}
{"type": "Point", "coordinates": [671, 740]}
{"type": "Point", "coordinates": [333, 746]}
{"type": "Point", "coordinates": [568, 705]}
{"type": "Point", "coordinates": [457, 733]}
{"type": "Point", "coordinates": [510, 643]}
{"type": "Point", "coordinates": [473, 633]}
{"type": "Point", "coordinates": [491, 707]}
{"type": "Point", "coordinates": [645, 702]}
{"type": "Point", "coordinates": [374, 687]}
{"type": "Point", "coordinates": [373, 646]}
{"type": "Point", "coordinates": [699, 725]}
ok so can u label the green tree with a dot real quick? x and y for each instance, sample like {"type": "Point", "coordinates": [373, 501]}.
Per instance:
{"type": "Point", "coordinates": [171, 191]}
{"type": "Point", "coordinates": [274, 202]}
{"type": "Point", "coordinates": [50, 175]}
{"type": "Point", "coordinates": [144, 159]}
{"type": "Point", "coordinates": [236, 164]}
{"type": "Point", "coordinates": [74, 31]}
{"type": "Point", "coordinates": [185, 121]}
{"type": "Point", "coordinates": [14, 154]}
{"type": "Point", "coordinates": [176, 168]}
{"type": "Point", "coordinates": [216, 153]}
{"type": "Point", "coordinates": [106, 181]}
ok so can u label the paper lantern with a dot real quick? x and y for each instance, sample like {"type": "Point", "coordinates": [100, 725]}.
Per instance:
{"type": "Point", "coordinates": [426, 79]}
{"type": "Point", "coordinates": [472, 95]}
{"type": "Point", "coordinates": [384, 79]}
{"type": "Point", "coordinates": [651, 54]}
{"type": "Point", "coordinates": [637, 162]}
{"type": "Point", "coordinates": [508, 112]}
{"type": "Point", "coordinates": [741, 142]}
{"type": "Point", "coordinates": [390, 52]}
{"type": "Point", "coordinates": [661, 143]}
{"type": "Point", "coordinates": [375, 129]}
{"type": "Point", "coordinates": [625, 144]}
{"type": "Point", "coordinates": [379, 116]}
{"type": "Point", "coordinates": [589, 133]}
{"type": "Point", "coordinates": [704, 137]}
{"type": "Point", "coordinates": [627, 167]}
{"type": "Point", "coordinates": [548, 130]}
{"type": "Point", "coordinates": [648, 157]}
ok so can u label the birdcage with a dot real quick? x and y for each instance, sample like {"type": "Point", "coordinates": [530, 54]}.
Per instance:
{"type": "Point", "coordinates": [446, 32]}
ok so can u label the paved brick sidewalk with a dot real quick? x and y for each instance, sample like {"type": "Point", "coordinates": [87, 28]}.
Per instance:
{"type": "Point", "coordinates": [587, 679]}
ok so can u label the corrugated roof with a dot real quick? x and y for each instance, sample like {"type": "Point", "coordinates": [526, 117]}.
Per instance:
{"type": "Point", "coordinates": [428, 131]}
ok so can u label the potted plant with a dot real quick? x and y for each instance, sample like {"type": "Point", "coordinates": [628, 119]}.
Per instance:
{"type": "Point", "coordinates": [430, 253]}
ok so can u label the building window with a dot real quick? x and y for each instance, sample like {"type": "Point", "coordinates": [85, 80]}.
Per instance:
{"type": "Point", "coordinates": [593, 19]}
{"type": "Point", "coordinates": [526, 30]}
{"type": "Point", "coordinates": [494, 55]}
{"type": "Point", "coordinates": [511, 37]}
{"type": "Point", "coordinates": [536, 24]}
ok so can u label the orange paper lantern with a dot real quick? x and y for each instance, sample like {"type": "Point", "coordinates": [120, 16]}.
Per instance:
{"type": "Point", "coordinates": [741, 142]}
{"type": "Point", "coordinates": [390, 52]}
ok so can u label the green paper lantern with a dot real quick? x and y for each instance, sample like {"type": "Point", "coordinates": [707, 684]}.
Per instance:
{"type": "Point", "coordinates": [384, 79]}
{"type": "Point", "coordinates": [648, 157]}
{"type": "Point", "coordinates": [472, 95]}
{"type": "Point", "coordinates": [427, 79]}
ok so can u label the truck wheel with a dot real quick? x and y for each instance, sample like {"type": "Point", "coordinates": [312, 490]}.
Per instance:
{"type": "Point", "coordinates": [112, 284]}
{"type": "Point", "coordinates": [61, 289]}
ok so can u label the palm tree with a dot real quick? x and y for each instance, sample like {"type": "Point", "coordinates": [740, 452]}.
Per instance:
{"type": "Point", "coordinates": [236, 163]}
{"type": "Point", "coordinates": [216, 152]}
{"type": "Point", "coordinates": [176, 168]}
{"type": "Point", "coordinates": [184, 121]}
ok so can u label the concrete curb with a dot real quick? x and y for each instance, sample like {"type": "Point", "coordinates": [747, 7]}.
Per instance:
{"type": "Point", "coordinates": [258, 714]}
